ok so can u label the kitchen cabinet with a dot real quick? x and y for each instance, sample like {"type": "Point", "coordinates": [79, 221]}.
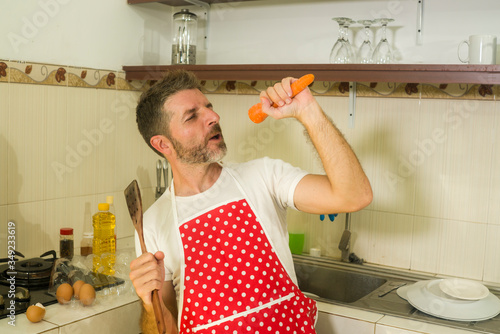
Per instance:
{"type": "Point", "coordinates": [394, 325]}
{"type": "Point", "coordinates": [330, 323]}
{"type": "Point", "coordinates": [343, 319]}
{"type": "Point", "coordinates": [406, 73]}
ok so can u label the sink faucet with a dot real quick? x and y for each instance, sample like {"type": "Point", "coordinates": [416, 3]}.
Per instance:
{"type": "Point", "coordinates": [345, 243]}
{"type": "Point", "coordinates": [345, 240]}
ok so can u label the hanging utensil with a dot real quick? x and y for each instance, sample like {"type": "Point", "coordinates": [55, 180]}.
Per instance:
{"type": "Point", "coordinates": [165, 175]}
{"type": "Point", "coordinates": [158, 179]}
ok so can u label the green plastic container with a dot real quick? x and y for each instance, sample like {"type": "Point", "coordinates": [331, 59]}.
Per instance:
{"type": "Point", "coordinates": [296, 242]}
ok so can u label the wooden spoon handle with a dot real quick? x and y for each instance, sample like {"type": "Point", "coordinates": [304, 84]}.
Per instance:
{"type": "Point", "coordinates": [141, 242]}
{"type": "Point", "coordinates": [160, 322]}
{"type": "Point", "coordinates": [155, 297]}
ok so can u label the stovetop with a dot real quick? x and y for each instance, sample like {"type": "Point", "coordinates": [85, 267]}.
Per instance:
{"type": "Point", "coordinates": [25, 282]}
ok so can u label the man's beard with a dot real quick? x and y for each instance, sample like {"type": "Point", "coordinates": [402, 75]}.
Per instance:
{"type": "Point", "coordinates": [201, 154]}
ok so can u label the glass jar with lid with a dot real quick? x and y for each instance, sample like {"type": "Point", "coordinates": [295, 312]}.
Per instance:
{"type": "Point", "coordinates": [66, 242]}
{"type": "Point", "coordinates": [86, 244]}
{"type": "Point", "coordinates": [185, 36]}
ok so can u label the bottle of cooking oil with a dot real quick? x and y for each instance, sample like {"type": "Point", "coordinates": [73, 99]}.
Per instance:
{"type": "Point", "coordinates": [103, 245]}
{"type": "Point", "coordinates": [110, 201]}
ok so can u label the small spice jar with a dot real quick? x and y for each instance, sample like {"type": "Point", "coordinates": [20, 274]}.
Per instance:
{"type": "Point", "coordinates": [66, 242]}
{"type": "Point", "coordinates": [86, 244]}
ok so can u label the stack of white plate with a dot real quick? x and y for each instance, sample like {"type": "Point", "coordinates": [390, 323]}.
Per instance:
{"type": "Point", "coordinates": [453, 299]}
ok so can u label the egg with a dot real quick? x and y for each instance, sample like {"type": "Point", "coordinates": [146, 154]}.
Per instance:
{"type": "Point", "coordinates": [35, 313]}
{"type": "Point", "coordinates": [76, 288]}
{"type": "Point", "coordinates": [64, 293]}
{"type": "Point", "coordinates": [87, 294]}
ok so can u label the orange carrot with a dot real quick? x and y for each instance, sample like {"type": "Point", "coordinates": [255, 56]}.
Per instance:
{"type": "Point", "coordinates": [257, 115]}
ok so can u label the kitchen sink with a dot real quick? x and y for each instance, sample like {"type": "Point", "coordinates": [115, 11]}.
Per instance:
{"type": "Point", "coordinates": [373, 288]}
{"type": "Point", "coordinates": [335, 284]}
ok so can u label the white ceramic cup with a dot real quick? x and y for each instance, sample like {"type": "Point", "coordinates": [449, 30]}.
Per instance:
{"type": "Point", "coordinates": [482, 49]}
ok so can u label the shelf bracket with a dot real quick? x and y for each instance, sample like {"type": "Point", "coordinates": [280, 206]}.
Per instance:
{"type": "Point", "coordinates": [206, 7]}
{"type": "Point", "coordinates": [352, 104]}
{"type": "Point", "coordinates": [420, 20]}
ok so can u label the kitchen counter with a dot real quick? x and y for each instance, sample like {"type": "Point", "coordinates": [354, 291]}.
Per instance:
{"type": "Point", "coordinates": [122, 315]}
{"type": "Point", "coordinates": [108, 314]}
{"type": "Point", "coordinates": [115, 311]}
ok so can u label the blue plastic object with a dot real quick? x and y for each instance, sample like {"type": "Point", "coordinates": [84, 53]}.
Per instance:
{"type": "Point", "coordinates": [330, 216]}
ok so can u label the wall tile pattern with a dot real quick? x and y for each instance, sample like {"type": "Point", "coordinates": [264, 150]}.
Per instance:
{"type": "Point", "coordinates": [64, 148]}
{"type": "Point", "coordinates": [430, 152]}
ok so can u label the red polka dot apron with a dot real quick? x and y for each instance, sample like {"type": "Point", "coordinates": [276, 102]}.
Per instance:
{"type": "Point", "coordinates": [232, 280]}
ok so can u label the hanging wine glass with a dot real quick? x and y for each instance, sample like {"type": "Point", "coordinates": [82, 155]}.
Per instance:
{"type": "Point", "coordinates": [342, 51]}
{"type": "Point", "coordinates": [383, 52]}
{"type": "Point", "coordinates": [366, 50]}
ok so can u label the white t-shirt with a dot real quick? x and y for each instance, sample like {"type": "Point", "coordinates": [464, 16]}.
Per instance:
{"type": "Point", "coordinates": [268, 185]}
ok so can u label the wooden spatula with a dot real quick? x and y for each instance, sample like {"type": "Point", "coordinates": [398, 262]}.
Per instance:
{"type": "Point", "coordinates": [134, 203]}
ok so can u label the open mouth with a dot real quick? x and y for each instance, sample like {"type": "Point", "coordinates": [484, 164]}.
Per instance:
{"type": "Point", "coordinates": [216, 137]}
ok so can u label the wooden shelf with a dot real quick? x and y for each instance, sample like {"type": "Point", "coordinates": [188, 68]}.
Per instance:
{"type": "Point", "coordinates": [180, 2]}
{"type": "Point", "coordinates": [406, 73]}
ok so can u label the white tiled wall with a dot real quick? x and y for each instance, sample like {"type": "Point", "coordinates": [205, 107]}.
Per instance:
{"type": "Point", "coordinates": [432, 164]}
{"type": "Point", "coordinates": [63, 150]}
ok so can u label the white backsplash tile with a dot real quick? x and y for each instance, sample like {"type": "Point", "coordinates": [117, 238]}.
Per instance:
{"type": "Point", "coordinates": [134, 159]}
{"type": "Point", "coordinates": [81, 152]}
{"type": "Point", "coordinates": [494, 190]}
{"type": "Point", "coordinates": [390, 127]}
{"type": "Point", "coordinates": [448, 247]}
{"type": "Point", "coordinates": [57, 143]}
{"type": "Point", "coordinates": [462, 249]}
{"type": "Point", "coordinates": [80, 211]}
{"type": "Point", "coordinates": [27, 140]}
{"type": "Point", "coordinates": [31, 232]}
{"type": "Point", "coordinates": [361, 223]}
{"type": "Point", "coordinates": [104, 135]}
{"type": "Point", "coordinates": [4, 143]}
{"type": "Point", "coordinates": [492, 256]}
{"type": "Point", "coordinates": [57, 214]}
{"type": "Point", "coordinates": [382, 237]}
{"type": "Point", "coordinates": [61, 164]}
{"type": "Point", "coordinates": [425, 244]}
{"type": "Point", "coordinates": [3, 231]}
{"type": "Point", "coordinates": [454, 174]}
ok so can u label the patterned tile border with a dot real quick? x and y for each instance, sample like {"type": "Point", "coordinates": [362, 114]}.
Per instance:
{"type": "Point", "coordinates": [366, 89]}
{"type": "Point", "coordinates": [47, 74]}
{"type": "Point", "coordinates": [4, 72]}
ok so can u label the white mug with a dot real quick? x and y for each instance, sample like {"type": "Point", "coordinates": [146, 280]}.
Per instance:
{"type": "Point", "coordinates": [482, 49]}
